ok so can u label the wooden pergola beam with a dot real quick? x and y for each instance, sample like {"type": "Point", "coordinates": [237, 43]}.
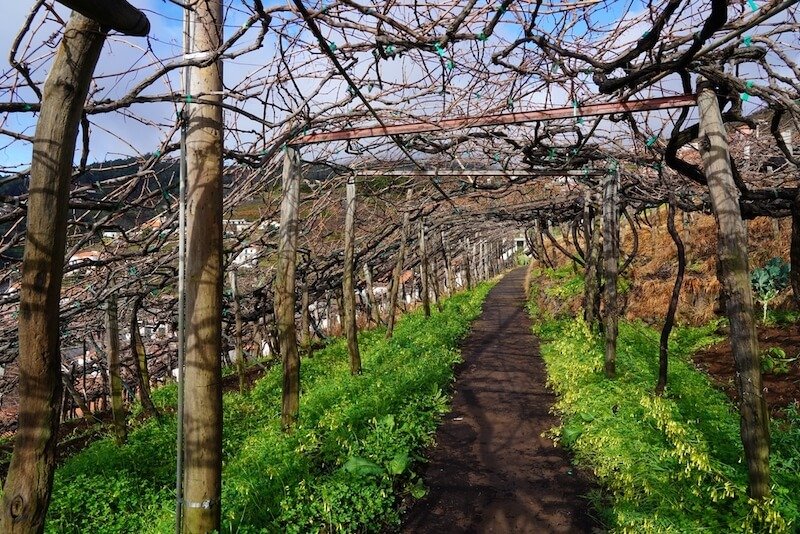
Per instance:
{"type": "Point", "coordinates": [498, 119]}
{"type": "Point", "coordinates": [445, 173]}
{"type": "Point", "coordinates": [116, 15]}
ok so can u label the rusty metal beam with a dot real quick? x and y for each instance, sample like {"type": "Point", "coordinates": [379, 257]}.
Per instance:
{"type": "Point", "coordinates": [631, 106]}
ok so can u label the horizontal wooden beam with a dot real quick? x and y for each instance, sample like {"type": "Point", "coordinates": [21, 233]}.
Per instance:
{"type": "Point", "coordinates": [498, 119]}
{"type": "Point", "coordinates": [458, 173]}
{"type": "Point", "coordinates": [117, 15]}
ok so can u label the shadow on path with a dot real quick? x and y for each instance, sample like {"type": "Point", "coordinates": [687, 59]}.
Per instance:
{"type": "Point", "coordinates": [491, 470]}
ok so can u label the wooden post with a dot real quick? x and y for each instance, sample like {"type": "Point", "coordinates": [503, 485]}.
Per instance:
{"type": "Point", "coordinates": [202, 419]}
{"type": "Point", "coordinates": [611, 266]}
{"type": "Point", "coordinates": [116, 15]}
{"type": "Point", "coordinates": [590, 290]}
{"type": "Point", "coordinates": [794, 251]}
{"type": "Point", "coordinates": [26, 493]}
{"type": "Point", "coordinates": [434, 281]}
{"type": "Point", "coordinates": [394, 290]}
{"type": "Point", "coordinates": [467, 263]}
{"type": "Point", "coordinates": [285, 287]}
{"type": "Point", "coordinates": [423, 271]}
{"type": "Point", "coordinates": [305, 317]}
{"type": "Point", "coordinates": [139, 357]}
{"type": "Point", "coordinates": [449, 276]}
{"type": "Point", "coordinates": [484, 264]}
{"type": "Point", "coordinates": [348, 287]}
{"type": "Point", "coordinates": [372, 304]}
{"type": "Point", "coordinates": [241, 364]}
{"type": "Point", "coordinates": [732, 253]}
{"type": "Point", "coordinates": [112, 352]}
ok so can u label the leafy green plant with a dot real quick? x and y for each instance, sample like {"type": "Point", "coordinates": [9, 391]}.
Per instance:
{"type": "Point", "coordinates": [346, 466]}
{"type": "Point", "coordinates": [665, 464]}
{"type": "Point", "coordinates": [768, 281]}
{"type": "Point", "coordinates": [774, 360]}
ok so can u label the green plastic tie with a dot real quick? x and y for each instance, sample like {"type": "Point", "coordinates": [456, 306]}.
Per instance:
{"type": "Point", "coordinates": [651, 140]}
{"type": "Point", "coordinates": [551, 154]}
{"type": "Point", "coordinates": [747, 40]}
{"type": "Point", "coordinates": [482, 37]}
{"type": "Point", "coordinates": [510, 103]}
{"type": "Point", "coordinates": [132, 271]}
{"type": "Point", "coordinates": [389, 49]}
{"type": "Point", "coordinates": [749, 84]}
{"type": "Point", "coordinates": [496, 158]}
{"type": "Point", "coordinates": [439, 49]}
{"type": "Point", "coordinates": [753, 5]}
{"type": "Point", "coordinates": [157, 153]}
{"type": "Point", "coordinates": [645, 34]}
{"type": "Point", "coordinates": [449, 65]}
{"type": "Point", "coordinates": [27, 107]}
{"type": "Point", "coordinates": [478, 96]}
{"type": "Point", "coordinates": [188, 99]}
{"type": "Point", "coordinates": [502, 9]}
{"type": "Point", "coordinates": [332, 46]}
{"type": "Point", "coordinates": [744, 96]}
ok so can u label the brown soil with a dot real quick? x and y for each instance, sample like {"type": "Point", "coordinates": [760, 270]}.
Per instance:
{"type": "Point", "coordinates": [492, 471]}
{"type": "Point", "coordinates": [781, 390]}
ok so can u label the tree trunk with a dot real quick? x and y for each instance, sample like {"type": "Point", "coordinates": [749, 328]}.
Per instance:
{"type": "Point", "coordinates": [285, 287]}
{"type": "Point", "coordinates": [26, 493]}
{"type": "Point", "coordinates": [611, 264]}
{"type": "Point", "coordinates": [112, 352]}
{"type": "Point", "coordinates": [394, 291]}
{"type": "Point", "coordinates": [348, 287]}
{"type": "Point", "coordinates": [669, 321]}
{"type": "Point", "coordinates": [76, 398]}
{"type": "Point", "coordinates": [732, 253]}
{"type": "Point", "coordinates": [139, 357]}
{"type": "Point", "coordinates": [241, 363]}
{"type": "Point", "coordinates": [423, 271]}
{"type": "Point", "coordinates": [202, 419]}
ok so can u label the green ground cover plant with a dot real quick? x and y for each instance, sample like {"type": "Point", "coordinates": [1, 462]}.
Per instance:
{"type": "Point", "coordinates": [665, 464]}
{"type": "Point", "coordinates": [345, 468]}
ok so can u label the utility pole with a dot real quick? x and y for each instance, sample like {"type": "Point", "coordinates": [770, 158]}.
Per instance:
{"type": "Point", "coordinates": [348, 289]}
{"type": "Point", "coordinates": [202, 414]}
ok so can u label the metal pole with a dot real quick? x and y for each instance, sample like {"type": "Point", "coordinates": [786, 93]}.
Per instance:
{"type": "Point", "coordinates": [181, 280]}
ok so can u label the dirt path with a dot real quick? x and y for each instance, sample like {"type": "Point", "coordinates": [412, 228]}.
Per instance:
{"type": "Point", "coordinates": [491, 470]}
